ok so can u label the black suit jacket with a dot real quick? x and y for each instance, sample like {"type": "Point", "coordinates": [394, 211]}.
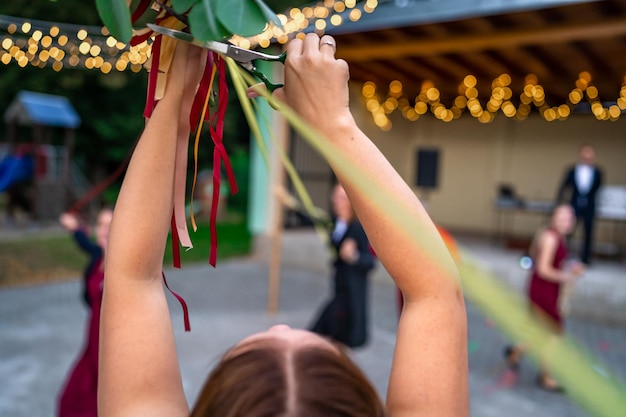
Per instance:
{"type": "Point", "coordinates": [580, 201]}
{"type": "Point", "coordinates": [366, 258]}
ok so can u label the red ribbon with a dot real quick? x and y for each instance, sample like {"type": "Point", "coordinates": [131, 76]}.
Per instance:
{"type": "Point", "coordinates": [140, 10]}
{"type": "Point", "coordinates": [137, 39]}
{"type": "Point", "coordinates": [175, 243]}
{"type": "Point", "coordinates": [152, 78]}
{"type": "Point", "coordinates": [182, 302]}
{"type": "Point", "coordinates": [100, 187]}
{"type": "Point", "coordinates": [216, 129]}
{"type": "Point", "coordinates": [200, 99]}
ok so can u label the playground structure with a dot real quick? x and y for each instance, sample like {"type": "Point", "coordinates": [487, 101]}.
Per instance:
{"type": "Point", "coordinates": [31, 166]}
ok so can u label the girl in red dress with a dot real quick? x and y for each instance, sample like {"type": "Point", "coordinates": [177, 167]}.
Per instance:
{"type": "Point", "coordinates": [550, 271]}
{"type": "Point", "coordinates": [80, 393]}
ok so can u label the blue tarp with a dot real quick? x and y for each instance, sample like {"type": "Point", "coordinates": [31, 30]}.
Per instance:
{"type": "Point", "coordinates": [42, 109]}
{"type": "Point", "coordinates": [14, 169]}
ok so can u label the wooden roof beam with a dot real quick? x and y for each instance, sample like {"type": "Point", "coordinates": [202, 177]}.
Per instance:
{"type": "Point", "coordinates": [606, 28]}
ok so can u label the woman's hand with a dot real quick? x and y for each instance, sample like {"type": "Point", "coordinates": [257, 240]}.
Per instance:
{"type": "Point", "coordinates": [348, 251]}
{"type": "Point", "coordinates": [316, 84]}
{"type": "Point", "coordinates": [69, 221]}
{"type": "Point", "coordinates": [575, 269]}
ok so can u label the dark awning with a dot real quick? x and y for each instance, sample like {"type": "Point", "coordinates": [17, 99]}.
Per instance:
{"type": "Point", "coordinates": [442, 41]}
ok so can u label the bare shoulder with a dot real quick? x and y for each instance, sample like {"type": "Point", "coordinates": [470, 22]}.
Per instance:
{"type": "Point", "coordinates": [547, 238]}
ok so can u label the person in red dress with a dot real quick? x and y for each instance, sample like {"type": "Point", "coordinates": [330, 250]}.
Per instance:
{"type": "Point", "coordinates": [80, 392]}
{"type": "Point", "coordinates": [550, 271]}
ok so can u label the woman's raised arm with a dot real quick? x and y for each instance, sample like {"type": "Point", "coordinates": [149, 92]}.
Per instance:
{"type": "Point", "coordinates": [429, 371]}
{"type": "Point", "coordinates": [139, 371]}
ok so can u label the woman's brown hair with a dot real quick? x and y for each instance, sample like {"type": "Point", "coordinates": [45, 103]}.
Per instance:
{"type": "Point", "coordinates": [269, 381]}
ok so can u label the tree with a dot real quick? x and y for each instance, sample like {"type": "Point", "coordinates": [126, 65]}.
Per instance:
{"type": "Point", "coordinates": [110, 105]}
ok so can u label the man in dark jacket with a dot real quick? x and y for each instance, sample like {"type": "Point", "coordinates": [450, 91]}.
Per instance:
{"type": "Point", "coordinates": [345, 317]}
{"type": "Point", "coordinates": [582, 182]}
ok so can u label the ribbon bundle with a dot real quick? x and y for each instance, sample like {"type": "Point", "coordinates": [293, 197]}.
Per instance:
{"type": "Point", "coordinates": [215, 70]}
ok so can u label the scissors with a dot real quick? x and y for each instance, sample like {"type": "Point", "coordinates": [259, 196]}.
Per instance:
{"type": "Point", "coordinates": [243, 57]}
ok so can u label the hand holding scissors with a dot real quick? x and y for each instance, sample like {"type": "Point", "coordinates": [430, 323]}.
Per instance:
{"type": "Point", "coordinates": [242, 56]}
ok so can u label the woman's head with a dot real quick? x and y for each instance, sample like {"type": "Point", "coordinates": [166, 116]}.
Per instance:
{"type": "Point", "coordinates": [586, 154]}
{"type": "Point", "coordinates": [287, 373]}
{"type": "Point", "coordinates": [563, 219]}
{"type": "Point", "coordinates": [342, 208]}
{"type": "Point", "coordinates": [103, 223]}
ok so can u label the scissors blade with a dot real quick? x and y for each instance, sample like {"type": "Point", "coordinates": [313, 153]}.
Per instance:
{"type": "Point", "coordinates": [219, 47]}
{"type": "Point", "coordinates": [241, 55]}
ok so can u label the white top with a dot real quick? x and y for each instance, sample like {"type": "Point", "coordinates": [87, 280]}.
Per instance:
{"type": "Point", "coordinates": [584, 177]}
{"type": "Point", "coordinates": [340, 229]}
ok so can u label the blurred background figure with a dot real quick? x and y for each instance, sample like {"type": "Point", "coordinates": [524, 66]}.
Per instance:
{"type": "Point", "coordinates": [581, 184]}
{"type": "Point", "coordinates": [550, 271]}
{"type": "Point", "coordinates": [79, 395]}
{"type": "Point", "coordinates": [344, 317]}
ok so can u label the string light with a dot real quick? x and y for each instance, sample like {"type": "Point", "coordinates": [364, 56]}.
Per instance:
{"type": "Point", "coordinates": [43, 44]}
{"type": "Point", "coordinates": [46, 44]}
{"type": "Point", "coordinates": [321, 16]}
{"type": "Point", "coordinates": [531, 96]}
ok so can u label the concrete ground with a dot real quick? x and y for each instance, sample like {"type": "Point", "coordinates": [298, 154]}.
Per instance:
{"type": "Point", "coordinates": [42, 327]}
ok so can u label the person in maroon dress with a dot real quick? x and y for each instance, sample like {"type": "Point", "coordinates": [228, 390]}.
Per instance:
{"type": "Point", "coordinates": [551, 269]}
{"type": "Point", "coordinates": [79, 395]}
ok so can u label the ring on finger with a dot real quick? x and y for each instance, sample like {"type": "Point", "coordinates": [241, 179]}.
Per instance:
{"type": "Point", "coordinates": [331, 43]}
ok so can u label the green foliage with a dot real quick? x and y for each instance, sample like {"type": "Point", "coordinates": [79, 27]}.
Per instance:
{"type": "Point", "coordinates": [240, 16]}
{"type": "Point", "coordinates": [281, 6]}
{"type": "Point", "coordinates": [38, 259]}
{"type": "Point", "coordinates": [116, 17]}
{"type": "Point", "coordinates": [208, 19]}
{"type": "Point", "coordinates": [110, 106]}
{"type": "Point", "coordinates": [240, 162]}
{"type": "Point", "coordinates": [66, 11]}
{"type": "Point", "coordinates": [111, 117]}
{"type": "Point", "coordinates": [244, 17]}
{"type": "Point", "coordinates": [181, 6]}
{"type": "Point", "coordinates": [233, 237]}
{"type": "Point", "coordinates": [203, 22]}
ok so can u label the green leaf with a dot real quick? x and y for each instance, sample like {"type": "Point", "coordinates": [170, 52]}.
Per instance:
{"type": "Point", "coordinates": [116, 17]}
{"type": "Point", "coordinates": [269, 14]}
{"type": "Point", "coordinates": [241, 17]}
{"type": "Point", "coordinates": [181, 6]}
{"type": "Point", "coordinates": [204, 24]}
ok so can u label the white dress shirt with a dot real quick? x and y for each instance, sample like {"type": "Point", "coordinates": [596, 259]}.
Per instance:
{"type": "Point", "coordinates": [583, 177]}
{"type": "Point", "coordinates": [340, 229]}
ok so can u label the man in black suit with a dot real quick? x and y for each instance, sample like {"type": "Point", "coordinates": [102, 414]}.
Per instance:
{"type": "Point", "coordinates": [583, 181]}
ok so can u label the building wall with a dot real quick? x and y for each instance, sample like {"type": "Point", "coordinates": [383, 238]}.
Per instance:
{"type": "Point", "coordinates": [476, 158]}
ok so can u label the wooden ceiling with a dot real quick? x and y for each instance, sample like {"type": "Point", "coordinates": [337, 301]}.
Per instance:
{"type": "Point", "coordinates": [555, 44]}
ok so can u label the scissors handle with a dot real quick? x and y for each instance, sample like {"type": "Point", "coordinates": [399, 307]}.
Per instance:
{"type": "Point", "coordinates": [245, 57]}
{"type": "Point", "coordinates": [270, 86]}
{"type": "Point", "coordinates": [282, 57]}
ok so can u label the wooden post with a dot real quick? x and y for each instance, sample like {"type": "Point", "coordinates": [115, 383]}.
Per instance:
{"type": "Point", "coordinates": [276, 234]}
{"type": "Point", "coordinates": [277, 180]}
{"type": "Point", "coordinates": [273, 295]}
